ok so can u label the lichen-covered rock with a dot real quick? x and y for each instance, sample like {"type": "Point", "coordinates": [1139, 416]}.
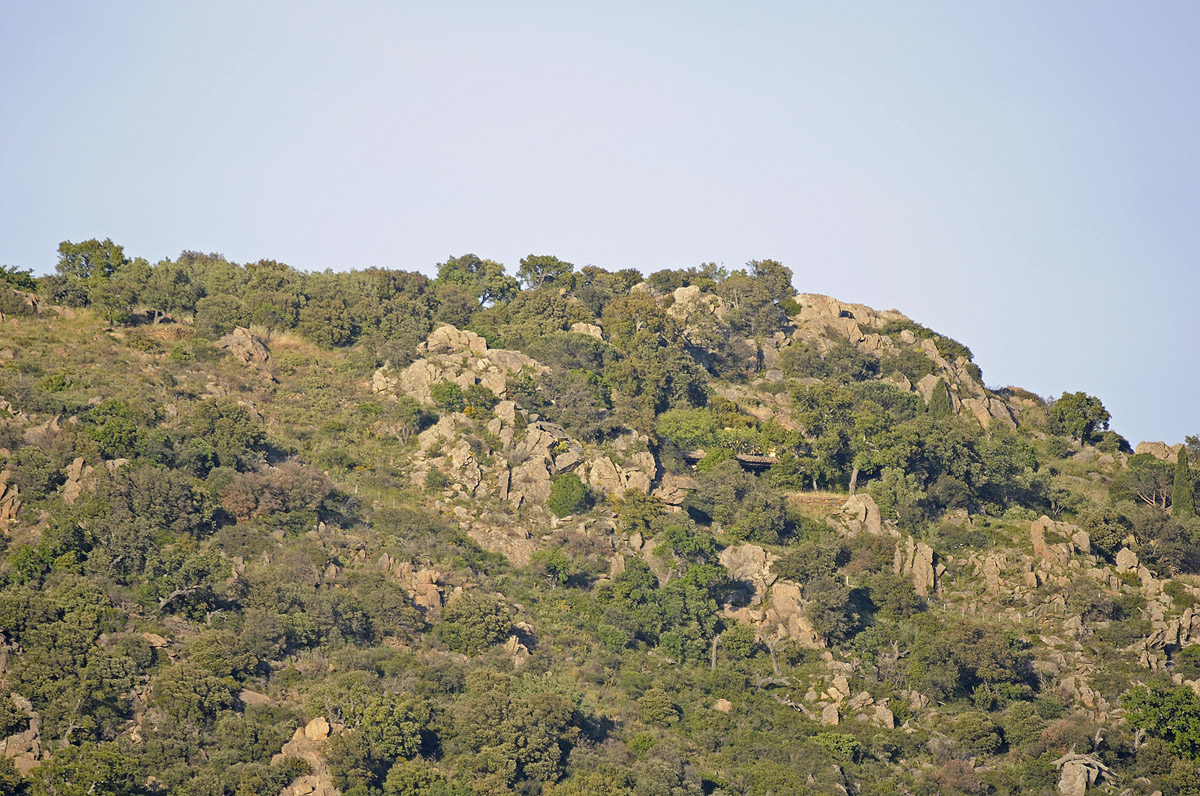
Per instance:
{"type": "Point", "coordinates": [1159, 450]}
{"type": "Point", "coordinates": [674, 489]}
{"type": "Point", "coordinates": [308, 744]}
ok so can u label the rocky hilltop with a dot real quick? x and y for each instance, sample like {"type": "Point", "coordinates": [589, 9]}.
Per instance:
{"type": "Point", "coordinates": [267, 532]}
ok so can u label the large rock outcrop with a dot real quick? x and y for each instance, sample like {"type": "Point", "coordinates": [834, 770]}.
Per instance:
{"type": "Point", "coordinates": [824, 322]}
{"type": "Point", "coordinates": [915, 559]}
{"type": "Point", "coordinates": [772, 605]}
{"type": "Point", "coordinates": [462, 357]}
{"type": "Point", "coordinates": [308, 743]}
{"type": "Point", "coordinates": [243, 345]}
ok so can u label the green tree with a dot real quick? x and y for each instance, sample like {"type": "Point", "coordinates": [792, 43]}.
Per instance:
{"type": "Point", "coordinates": [18, 278]}
{"type": "Point", "coordinates": [217, 315]}
{"type": "Point", "coordinates": [393, 726]}
{"type": "Point", "coordinates": [940, 405]}
{"type": "Point", "coordinates": [1182, 499]}
{"type": "Point", "coordinates": [484, 278]}
{"type": "Point", "coordinates": [539, 270]}
{"type": "Point", "coordinates": [1078, 415]}
{"type": "Point", "coordinates": [472, 622]}
{"type": "Point", "coordinates": [171, 288]}
{"type": "Point", "coordinates": [90, 258]}
{"type": "Point", "coordinates": [1170, 714]}
{"type": "Point", "coordinates": [656, 707]}
{"type": "Point", "coordinates": [88, 770]}
{"type": "Point", "coordinates": [568, 495]}
{"type": "Point", "coordinates": [237, 437]}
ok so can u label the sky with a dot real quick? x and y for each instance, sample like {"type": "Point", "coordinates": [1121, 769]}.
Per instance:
{"type": "Point", "coordinates": [1021, 176]}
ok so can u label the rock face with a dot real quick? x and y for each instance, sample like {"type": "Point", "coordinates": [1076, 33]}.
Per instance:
{"type": "Point", "coordinates": [774, 606]}
{"type": "Point", "coordinates": [458, 356]}
{"type": "Point", "coordinates": [79, 478]}
{"type": "Point", "coordinates": [10, 501]}
{"type": "Point", "coordinates": [244, 346]}
{"type": "Point", "coordinates": [24, 749]}
{"type": "Point", "coordinates": [915, 559]}
{"type": "Point", "coordinates": [862, 514]}
{"type": "Point", "coordinates": [423, 585]}
{"type": "Point", "coordinates": [1159, 450]}
{"type": "Point", "coordinates": [824, 322]}
{"type": "Point", "coordinates": [308, 744]}
{"type": "Point", "coordinates": [1127, 560]}
{"type": "Point", "coordinates": [1078, 772]}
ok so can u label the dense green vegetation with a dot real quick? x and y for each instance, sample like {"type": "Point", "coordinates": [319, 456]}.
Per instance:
{"type": "Point", "coordinates": [204, 555]}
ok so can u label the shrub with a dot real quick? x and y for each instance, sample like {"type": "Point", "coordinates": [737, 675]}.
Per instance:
{"type": "Point", "coordinates": [656, 707]}
{"type": "Point", "coordinates": [447, 396]}
{"type": "Point", "coordinates": [978, 734]}
{"type": "Point", "coordinates": [473, 622]}
{"type": "Point", "coordinates": [568, 495]}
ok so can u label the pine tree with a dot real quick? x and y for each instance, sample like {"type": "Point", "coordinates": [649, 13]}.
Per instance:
{"type": "Point", "coordinates": [1182, 502]}
{"type": "Point", "coordinates": [940, 404]}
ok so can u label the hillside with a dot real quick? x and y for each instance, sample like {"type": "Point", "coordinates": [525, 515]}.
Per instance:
{"type": "Point", "coordinates": [267, 532]}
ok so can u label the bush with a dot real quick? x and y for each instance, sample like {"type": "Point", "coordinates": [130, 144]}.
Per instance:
{"type": "Point", "coordinates": [473, 622]}
{"type": "Point", "coordinates": [656, 707]}
{"type": "Point", "coordinates": [978, 734]}
{"type": "Point", "coordinates": [447, 396]}
{"type": "Point", "coordinates": [568, 495]}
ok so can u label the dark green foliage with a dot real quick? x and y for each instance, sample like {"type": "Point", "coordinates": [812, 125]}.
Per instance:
{"type": "Point", "coordinates": [447, 396]}
{"type": "Point", "coordinates": [655, 707]}
{"type": "Point", "coordinates": [939, 401]}
{"type": "Point", "coordinates": [472, 622]}
{"type": "Point", "coordinates": [34, 472]}
{"type": "Point", "coordinates": [12, 302]}
{"type": "Point", "coordinates": [840, 361]}
{"type": "Point", "coordinates": [553, 564]}
{"type": "Point", "coordinates": [568, 495]}
{"type": "Point", "coordinates": [1078, 415]}
{"type": "Point", "coordinates": [310, 575]}
{"type": "Point", "coordinates": [977, 734]}
{"type": "Point", "coordinates": [1183, 503]}
{"type": "Point", "coordinates": [18, 278]}
{"type": "Point", "coordinates": [946, 663]}
{"type": "Point", "coordinates": [419, 778]}
{"type": "Point", "coordinates": [114, 427]}
{"type": "Point", "coordinates": [810, 559]}
{"type": "Point", "coordinates": [1146, 480]}
{"type": "Point", "coordinates": [829, 608]}
{"type": "Point", "coordinates": [894, 596]}
{"type": "Point", "coordinates": [485, 279]}
{"type": "Point", "coordinates": [217, 315]}
{"type": "Point", "coordinates": [1170, 714]}
{"type": "Point", "coordinates": [89, 259]}
{"type": "Point", "coordinates": [237, 439]}
{"type": "Point", "coordinates": [1106, 530]}
{"type": "Point", "coordinates": [539, 270]}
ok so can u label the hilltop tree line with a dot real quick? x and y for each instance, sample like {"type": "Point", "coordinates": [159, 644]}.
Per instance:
{"type": "Point", "coordinates": [204, 520]}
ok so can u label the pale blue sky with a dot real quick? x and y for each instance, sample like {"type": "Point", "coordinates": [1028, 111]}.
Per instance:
{"type": "Point", "coordinates": [1024, 177]}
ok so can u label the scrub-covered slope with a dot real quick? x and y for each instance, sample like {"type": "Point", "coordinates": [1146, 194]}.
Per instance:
{"type": "Point", "coordinates": [270, 532]}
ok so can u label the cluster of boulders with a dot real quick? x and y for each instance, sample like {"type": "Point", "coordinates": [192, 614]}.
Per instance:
{"type": "Point", "coordinates": [773, 605]}
{"type": "Point", "coordinates": [823, 320]}
{"type": "Point", "coordinates": [309, 744]}
{"type": "Point", "coordinates": [531, 451]}
{"type": "Point", "coordinates": [423, 585]}
{"type": "Point", "coordinates": [23, 749]}
{"type": "Point", "coordinates": [458, 356]}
